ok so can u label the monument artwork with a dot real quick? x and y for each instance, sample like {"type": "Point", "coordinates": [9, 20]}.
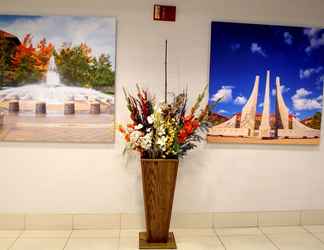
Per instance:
{"type": "Point", "coordinates": [268, 81]}
{"type": "Point", "coordinates": [57, 78]}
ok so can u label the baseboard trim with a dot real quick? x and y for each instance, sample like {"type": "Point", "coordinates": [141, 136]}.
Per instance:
{"type": "Point", "coordinates": [11, 221]}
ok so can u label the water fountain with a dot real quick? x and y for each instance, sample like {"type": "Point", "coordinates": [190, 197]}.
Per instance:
{"type": "Point", "coordinates": [52, 91]}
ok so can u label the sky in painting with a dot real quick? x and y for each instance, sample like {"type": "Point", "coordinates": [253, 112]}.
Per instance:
{"type": "Point", "coordinates": [239, 52]}
{"type": "Point", "coordinates": [99, 33]}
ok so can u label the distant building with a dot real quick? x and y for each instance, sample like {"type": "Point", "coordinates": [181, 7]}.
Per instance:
{"type": "Point", "coordinates": [216, 118]}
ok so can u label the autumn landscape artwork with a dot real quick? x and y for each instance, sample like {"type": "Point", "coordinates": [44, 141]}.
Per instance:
{"type": "Point", "coordinates": [57, 78]}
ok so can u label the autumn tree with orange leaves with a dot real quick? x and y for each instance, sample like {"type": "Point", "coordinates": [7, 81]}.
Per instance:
{"type": "Point", "coordinates": [28, 64]}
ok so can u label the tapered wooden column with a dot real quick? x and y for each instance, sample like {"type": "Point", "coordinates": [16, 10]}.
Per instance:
{"type": "Point", "coordinates": [159, 181]}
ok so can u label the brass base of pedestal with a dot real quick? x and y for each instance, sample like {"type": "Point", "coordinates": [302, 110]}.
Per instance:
{"type": "Point", "coordinates": [143, 244]}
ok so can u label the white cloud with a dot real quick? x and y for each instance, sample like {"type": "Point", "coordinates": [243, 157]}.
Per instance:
{"type": "Point", "coordinates": [288, 38]}
{"type": "Point", "coordinates": [260, 105]}
{"type": "Point", "coordinates": [315, 39]}
{"type": "Point", "coordinates": [99, 33]}
{"type": "Point", "coordinates": [222, 111]}
{"type": "Point", "coordinates": [306, 73]}
{"type": "Point", "coordinates": [320, 98]}
{"type": "Point", "coordinates": [284, 90]}
{"type": "Point", "coordinates": [301, 100]}
{"type": "Point", "coordinates": [224, 93]}
{"type": "Point", "coordinates": [302, 93]}
{"type": "Point", "coordinates": [311, 31]}
{"type": "Point", "coordinates": [240, 100]}
{"type": "Point", "coordinates": [235, 46]}
{"type": "Point", "coordinates": [256, 48]}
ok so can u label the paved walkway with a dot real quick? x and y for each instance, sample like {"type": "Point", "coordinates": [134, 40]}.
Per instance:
{"type": "Point", "coordinates": [58, 128]}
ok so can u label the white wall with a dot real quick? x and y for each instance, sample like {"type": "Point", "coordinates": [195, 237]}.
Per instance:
{"type": "Point", "coordinates": [95, 178]}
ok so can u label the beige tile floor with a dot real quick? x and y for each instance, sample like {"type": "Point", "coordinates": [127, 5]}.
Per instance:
{"type": "Point", "coordinates": [264, 238]}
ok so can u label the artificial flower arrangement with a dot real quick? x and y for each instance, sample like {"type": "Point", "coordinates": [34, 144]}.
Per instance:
{"type": "Point", "coordinates": [164, 130]}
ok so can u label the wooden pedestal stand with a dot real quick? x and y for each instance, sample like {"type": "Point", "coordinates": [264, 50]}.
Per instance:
{"type": "Point", "coordinates": [159, 181]}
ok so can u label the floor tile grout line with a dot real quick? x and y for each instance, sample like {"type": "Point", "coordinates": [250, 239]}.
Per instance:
{"type": "Point", "coordinates": [72, 222]}
{"type": "Point", "coordinates": [314, 235]}
{"type": "Point", "coordinates": [67, 240]}
{"type": "Point", "coordinates": [268, 237]}
{"type": "Point", "coordinates": [214, 231]}
{"type": "Point", "coordinates": [25, 221]}
{"type": "Point", "coordinates": [17, 238]}
{"type": "Point", "coordinates": [219, 238]}
{"type": "Point", "coordinates": [120, 226]}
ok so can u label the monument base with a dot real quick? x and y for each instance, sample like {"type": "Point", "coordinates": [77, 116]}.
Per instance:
{"type": "Point", "coordinates": [291, 133]}
{"type": "Point", "coordinates": [265, 133]}
{"type": "Point", "coordinates": [229, 131]}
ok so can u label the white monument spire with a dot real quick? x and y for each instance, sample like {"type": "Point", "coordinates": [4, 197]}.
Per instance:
{"type": "Point", "coordinates": [282, 110]}
{"type": "Point", "coordinates": [249, 110]}
{"type": "Point", "coordinates": [265, 127]}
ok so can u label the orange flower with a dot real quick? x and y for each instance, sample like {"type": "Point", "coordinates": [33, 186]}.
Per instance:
{"type": "Point", "coordinates": [121, 129]}
{"type": "Point", "coordinates": [127, 137]}
{"type": "Point", "coordinates": [129, 125]}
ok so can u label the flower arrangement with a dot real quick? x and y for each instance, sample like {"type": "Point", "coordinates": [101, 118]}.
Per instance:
{"type": "Point", "coordinates": [164, 130]}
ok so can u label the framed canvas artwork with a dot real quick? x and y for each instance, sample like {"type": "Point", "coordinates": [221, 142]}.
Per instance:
{"type": "Point", "coordinates": [268, 81]}
{"type": "Point", "coordinates": [57, 78]}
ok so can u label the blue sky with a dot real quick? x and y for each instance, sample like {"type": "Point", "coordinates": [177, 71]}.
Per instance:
{"type": "Point", "coordinates": [97, 32]}
{"type": "Point", "coordinates": [239, 52]}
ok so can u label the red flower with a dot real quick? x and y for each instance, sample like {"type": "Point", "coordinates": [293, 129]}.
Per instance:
{"type": "Point", "coordinates": [195, 124]}
{"type": "Point", "coordinates": [182, 135]}
{"type": "Point", "coordinates": [187, 126]}
{"type": "Point", "coordinates": [188, 118]}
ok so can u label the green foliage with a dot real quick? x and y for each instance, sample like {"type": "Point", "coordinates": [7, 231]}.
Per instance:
{"type": "Point", "coordinates": [76, 67]}
{"type": "Point", "coordinates": [6, 50]}
{"type": "Point", "coordinates": [101, 72]}
{"type": "Point", "coordinates": [26, 72]}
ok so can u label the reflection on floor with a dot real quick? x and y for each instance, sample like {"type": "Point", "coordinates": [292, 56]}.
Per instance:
{"type": "Point", "coordinates": [265, 238]}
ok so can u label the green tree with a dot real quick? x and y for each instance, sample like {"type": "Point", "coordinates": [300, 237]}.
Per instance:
{"type": "Point", "coordinates": [102, 75]}
{"type": "Point", "coordinates": [25, 71]}
{"type": "Point", "coordinates": [6, 51]}
{"type": "Point", "coordinates": [77, 67]}
{"type": "Point", "coordinates": [73, 66]}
